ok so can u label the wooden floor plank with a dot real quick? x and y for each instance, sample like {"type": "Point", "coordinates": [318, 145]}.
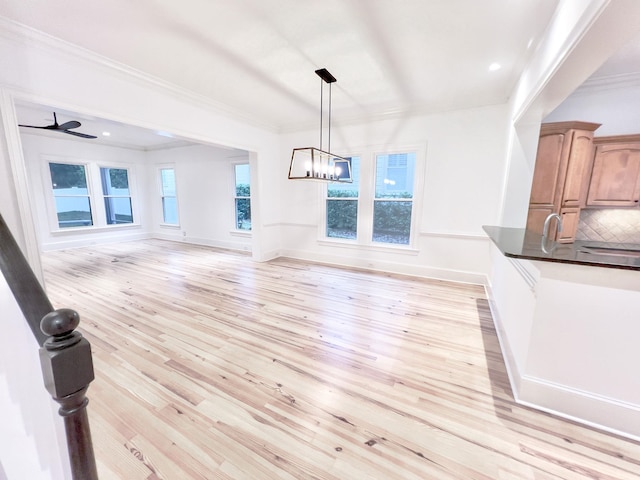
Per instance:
{"type": "Point", "coordinates": [212, 366]}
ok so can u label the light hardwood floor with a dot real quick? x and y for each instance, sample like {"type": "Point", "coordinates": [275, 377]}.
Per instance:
{"type": "Point", "coordinates": [209, 365]}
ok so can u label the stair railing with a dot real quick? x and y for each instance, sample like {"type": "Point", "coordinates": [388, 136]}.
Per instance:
{"type": "Point", "coordinates": [65, 355]}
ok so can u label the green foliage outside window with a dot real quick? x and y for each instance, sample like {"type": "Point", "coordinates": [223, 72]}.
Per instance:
{"type": "Point", "coordinates": [67, 176]}
{"type": "Point", "coordinates": [342, 215]}
{"type": "Point", "coordinates": [243, 206]}
{"type": "Point", "coordinates": [392, 222]}
{"type": "Point", "coordinates": [119, 178]}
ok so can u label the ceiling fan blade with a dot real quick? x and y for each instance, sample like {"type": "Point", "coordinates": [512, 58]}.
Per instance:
{"type": "Point", "coordinates": [69, 124]}
{"type": "Point", "coordinates": [78, 134]}
{"type": "Point", "coordinates": [50, 127]}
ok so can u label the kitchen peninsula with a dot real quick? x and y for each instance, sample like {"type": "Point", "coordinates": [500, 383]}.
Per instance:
{"type": "Point", "coordinates": [568, 319]}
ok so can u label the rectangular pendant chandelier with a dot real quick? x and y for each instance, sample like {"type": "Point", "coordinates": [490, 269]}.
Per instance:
{"type": "Point", "coordinates": [310, 163]}
{"type": "Point", "coordinates": [314, 164]}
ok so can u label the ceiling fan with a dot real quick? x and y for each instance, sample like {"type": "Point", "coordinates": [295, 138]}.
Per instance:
{"type": "Point", "coordinates": [64, 128]}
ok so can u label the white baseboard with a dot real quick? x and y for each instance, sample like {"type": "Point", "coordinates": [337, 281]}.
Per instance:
{"type": "Point", "coordinates": [415, 270]}
{"type": "Point", "coordinates": [74, 242]}
{"type": "Point", "coordinates": [507, 353]}
{"type": "Point", "coordinates": [238, 246]}
{"type": "Point", "coordinates": [583, 407]}
{"type": "Point", "coordinates": [600, 412]}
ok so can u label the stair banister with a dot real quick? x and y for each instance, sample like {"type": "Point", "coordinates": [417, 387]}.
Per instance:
{"type": "Point", "coordinates": [65, 355]}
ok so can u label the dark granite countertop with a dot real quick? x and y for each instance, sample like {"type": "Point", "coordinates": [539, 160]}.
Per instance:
{"type": "Point", "coordinates": [521, 243]}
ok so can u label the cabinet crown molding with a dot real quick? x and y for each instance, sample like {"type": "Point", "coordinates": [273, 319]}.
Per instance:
{"type": "Point", "coordinates": [558, 127]}
{"type": "Point", "coordinates": [633, 138]}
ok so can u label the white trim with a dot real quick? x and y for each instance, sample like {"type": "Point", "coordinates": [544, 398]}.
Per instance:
{"type": "Point", "coordinates": [21, 182]}
{"type": "Point", "coordinates": [466, 236]}
{"type": "Point", "coordinates": [505, 347]}
{"type": "Point", "coordinates": [94, 229]}
{"type": "Point", "coordinates": [22, 34]}
{"type": "Point", "coordinates": [529, 278]}
{"type": "Point", "coordinates": [598, 411]}
{"type": "Point", "coordinates": [413, 269]}
{"type": "Point", "coordinates": [159, 190]}
{"type": "Point", "coordinates": [594, 410]}
{"type": "Point", "coordinates": [608, 82]}
{"type": "Point", "coordinates": [371, 247]}
{"type": "Point", "coordinates": [240, 233]}
{"type": "Point", "coordinates": [69, 242]}
{"type": "Point", "coordinates": [240, 247]}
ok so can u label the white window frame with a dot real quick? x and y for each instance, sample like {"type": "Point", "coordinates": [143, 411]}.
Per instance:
{"type": "Point", "coordinates": [51, 198]}
{"type": "Point", "coordinates": [366, 198]}
{"type": "Point", "coordinates": [95, 193]}
{"type": "Point", "coordinates": [358, 199]}
{"type": "Point", "coordinates": [399, 200]}
{"type": "Point", "coordinates": [127, 168]}
{"type": "Point", "coordinates": [235, 197]}
{"type": "Point", "coordinates": [162, 195]}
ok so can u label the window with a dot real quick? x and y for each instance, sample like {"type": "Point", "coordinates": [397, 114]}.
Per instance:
{"type": "Point", "coordinates": [117, 196]}
{"type": "Point", "coordinates": [393, 200]}
{"type": "Point", "coordinates": [342, 205]}
{"type": "Point", "coordinates": [169, 199]}
{"type": "Point", "coordinates": [243, 197]}
{"type": "Point", "coordinates": [71, 195]}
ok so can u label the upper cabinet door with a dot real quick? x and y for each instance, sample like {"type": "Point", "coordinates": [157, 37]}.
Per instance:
{"type": "Point", "coordinates": [615, 180]}
{"type": "Point", "coordinates": [576, 182]}
{"type": "Point", "coordinates": [549, 170]}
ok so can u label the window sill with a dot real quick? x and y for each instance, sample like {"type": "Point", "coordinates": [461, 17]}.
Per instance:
{"type": "Point", "coordinates": [171, 226]}
{"type": "Point", "coordinates": [241, 233]}
{"type": "Point", "coordinates": [373, 247]}
{"type": "Point", "coordinates": [91, 229]}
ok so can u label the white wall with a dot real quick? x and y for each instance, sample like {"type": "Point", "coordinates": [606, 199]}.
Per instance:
{"type": "Point", "coordinates": [205, 191]}
{"type": "Point", "coordinates": [615, 106]}
{"type": "Point", "coordinates": [568, 334]}
{"type": "Point", "coordinates": [41, 70]}
{"type": "Point", "coordinates": [31, 432]}
{"type": "Point", "coordinates": [563, 333]}
{"type": "Point", "coordinates": [462, 155]}
{"type": "Point", "coordinates": [39, 151]}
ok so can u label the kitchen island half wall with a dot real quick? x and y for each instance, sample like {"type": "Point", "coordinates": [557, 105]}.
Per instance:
{"type": "Point", "coordinates": [569, 329]}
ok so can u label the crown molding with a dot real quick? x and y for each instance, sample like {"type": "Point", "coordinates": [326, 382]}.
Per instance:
{"type": "Point", "coordinates": [608, 82]}
{"type": "Point", "coordinates": [28, 36]}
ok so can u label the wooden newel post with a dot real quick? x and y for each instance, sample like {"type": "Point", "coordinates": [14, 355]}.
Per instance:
{"type": "Point", "coordinates": [67, 369]}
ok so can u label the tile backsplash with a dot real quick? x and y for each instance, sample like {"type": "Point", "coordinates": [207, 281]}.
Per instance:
{"type": "Point", "coordinates": [609, 225]}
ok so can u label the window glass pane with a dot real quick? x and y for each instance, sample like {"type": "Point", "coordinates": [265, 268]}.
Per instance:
{"type": "Point", "coordinates": [170, 210]}
{"type": "Point", "coordinates": [342, 215]}
{"type": "Point", "coordinates": [243, 182]}
{"type": "Point", "coordinates": [73, 212]}
{"type": "Point", "coordinates": [243, 214]}
{"type": "Point", "coordinates": [168, 178]}
{"type": "Point", "coordinates": [342, 218]}
{"type": "Point", "coordinates": [115, 181]}
{"type": "Point", "coordinates": [169, 201]}
{"type": "Point", "coordinates": [118, 210]}
{"type": "Point", "coordinates": [337, 190]}
{"type": "Point", "coordinates": [392, 221]}
{"type": "Point", "coordinates": [68, 179]}
{"type": "Point", "coordinates": [394, 175]}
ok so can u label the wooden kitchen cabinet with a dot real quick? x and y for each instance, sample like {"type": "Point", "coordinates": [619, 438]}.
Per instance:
{"type": "Point", "coordinates": [561, 175]}
{"type": "Point", "coordinates": [615, 179]}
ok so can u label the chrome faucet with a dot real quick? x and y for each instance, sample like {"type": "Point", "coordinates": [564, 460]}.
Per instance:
{"type": "Point", "coordinates": [545, 229]}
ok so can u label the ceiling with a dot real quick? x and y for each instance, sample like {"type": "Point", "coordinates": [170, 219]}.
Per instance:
{"type": "Point", "coordinates": [258, 57]}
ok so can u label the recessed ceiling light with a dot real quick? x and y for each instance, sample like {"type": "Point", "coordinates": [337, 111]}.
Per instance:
{"type": "Point", "coordinates": [106, 134]}
{"type": "Point", "coordinates": [494, 66]}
